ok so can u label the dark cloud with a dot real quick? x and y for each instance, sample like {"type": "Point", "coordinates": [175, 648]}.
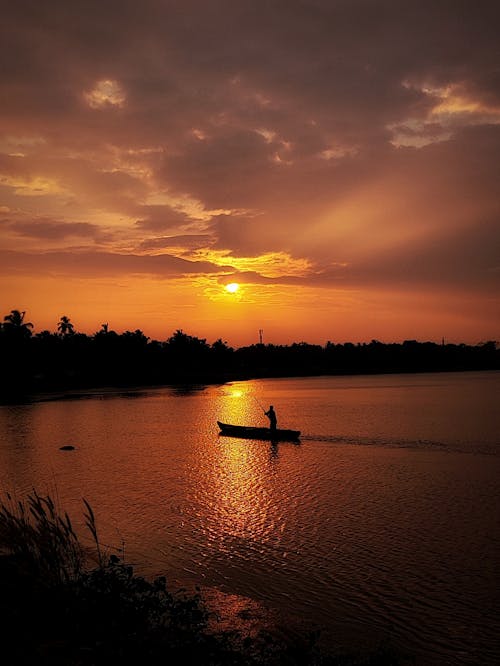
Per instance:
{"type": "Point", "coordinates": [159, 218]}
{"type": "Point", "coordinates": [98, 264]}
{"type": "Point", "coordinates": [189, 242]}
{"type": "Point", "coordinates": [467, 261]}
{"type": "Point", "coordinates": [49, 230]}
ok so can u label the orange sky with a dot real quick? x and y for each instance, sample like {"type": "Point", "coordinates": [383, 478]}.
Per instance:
{"type": "Point", "coordinates": [338, 160]}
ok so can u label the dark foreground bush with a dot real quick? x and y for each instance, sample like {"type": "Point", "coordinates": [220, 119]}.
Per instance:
{"type": "Point", "coordinates": [54, 610]}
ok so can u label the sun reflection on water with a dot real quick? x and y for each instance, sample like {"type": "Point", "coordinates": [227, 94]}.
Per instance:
{"type": "Point", "coordinates": [237, 500]}
{"type": "Point", "coordinates": [243, 503]}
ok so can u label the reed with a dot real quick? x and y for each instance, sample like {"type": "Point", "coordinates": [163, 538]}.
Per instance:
{"type": "Point", "coordinates": [52, 593]}
{"type": "Point", "coordinates": [56, 609]}
{"type": "Point", "coordinates": [41, 539]}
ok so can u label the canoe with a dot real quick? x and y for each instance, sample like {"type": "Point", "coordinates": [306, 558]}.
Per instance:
{"type": "Point", "coordinates": [250, 432]}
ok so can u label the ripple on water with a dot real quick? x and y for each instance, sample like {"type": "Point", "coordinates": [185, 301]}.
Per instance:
{"type": "Point", "coordinates": [382, 522]}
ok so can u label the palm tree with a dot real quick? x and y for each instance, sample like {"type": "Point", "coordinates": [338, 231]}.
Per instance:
{"type": "Point", "coordinates": [65, 327]}
{"type": "Point", "coordinates": [15, 325]}
{"type": "Point", "coordinates": [136, 337]}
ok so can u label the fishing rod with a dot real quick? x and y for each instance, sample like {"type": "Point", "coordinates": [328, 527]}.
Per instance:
{"type": "Point", "coordinates": [259, 404]}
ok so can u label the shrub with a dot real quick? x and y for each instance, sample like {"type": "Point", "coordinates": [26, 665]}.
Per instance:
{"type": "Point", "coordinates": [55, 610]}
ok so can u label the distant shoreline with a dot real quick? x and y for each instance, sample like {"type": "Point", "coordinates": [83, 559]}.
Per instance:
{"type": "Point", "coordinates": [74, 363]}
{"type": "Point", "coordinates": [195, 384]}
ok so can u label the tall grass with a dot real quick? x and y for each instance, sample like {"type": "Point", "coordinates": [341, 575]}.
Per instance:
{"type": "Point", "coordinates": [57, 610]}
{"type": "Point", "coordinates": [41, 539]}
{"type": "Point", "coordinates": [53, 594]}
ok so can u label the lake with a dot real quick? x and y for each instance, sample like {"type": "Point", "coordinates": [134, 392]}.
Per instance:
{"type": "Point", "coordinates": [382, 523]}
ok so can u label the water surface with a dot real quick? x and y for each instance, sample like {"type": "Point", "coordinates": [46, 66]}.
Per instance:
{"type": "Point", "coordinates": [382, 522]}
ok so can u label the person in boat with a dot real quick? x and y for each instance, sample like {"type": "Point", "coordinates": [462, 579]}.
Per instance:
{"type": "Point", "coordinates": [271, 415]}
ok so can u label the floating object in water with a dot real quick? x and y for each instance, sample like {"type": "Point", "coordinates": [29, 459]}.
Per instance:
{"type": "Point", "coordinates": [67, 447]}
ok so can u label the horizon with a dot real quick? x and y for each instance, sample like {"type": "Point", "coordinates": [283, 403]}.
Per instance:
{"type": "Point", "coordinates": [335, 161]}
{"type": "Point", "coordinates": [260, 336]}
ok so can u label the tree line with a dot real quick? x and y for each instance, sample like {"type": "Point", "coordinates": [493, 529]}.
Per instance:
{"type": "Point", "coordinates": [66, 359]}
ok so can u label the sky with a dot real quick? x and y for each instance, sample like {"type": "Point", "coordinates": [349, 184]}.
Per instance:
{"type": "Point", "coordinates": [339, 160]}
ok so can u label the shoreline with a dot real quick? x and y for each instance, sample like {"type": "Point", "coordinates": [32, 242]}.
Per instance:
{"type": "Point", "coordinates": [196, 384]}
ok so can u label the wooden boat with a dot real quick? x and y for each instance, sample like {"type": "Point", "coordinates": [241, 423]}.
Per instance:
{"type": "Point", "coordinates": [250, 432]}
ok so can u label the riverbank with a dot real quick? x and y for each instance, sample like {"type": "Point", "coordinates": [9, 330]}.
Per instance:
{"type": "Point", "coordinates": [113, 616]}
{"type": "Point", "coordinates": [60, 364]}
{"type": "Point", "coordinates": [185, 386]}
{"type": "Point", "coordinates": [54, 609]}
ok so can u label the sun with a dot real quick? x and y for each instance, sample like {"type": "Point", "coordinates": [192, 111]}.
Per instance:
{"type": "Point", "coordinates": [232, 287]}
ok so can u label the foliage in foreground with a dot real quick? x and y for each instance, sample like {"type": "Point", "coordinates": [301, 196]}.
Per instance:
{"type": "Point", "coordinates": [55, 610]}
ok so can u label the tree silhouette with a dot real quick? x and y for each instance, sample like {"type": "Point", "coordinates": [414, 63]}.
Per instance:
{"type": "Point", "coordinates": [15, 326]}
{"type": "Point", "coordinates": [66, 359]}
{"type": "Point", "coordinates": [65, 327]}
{"type": "Point", "coordinates": [221, 346]}
{"type": "Point", "coordinates": [15, 355]}
{"type": "Point", "coordinates": [136, 337]}
{"type": "Point", "coordinates": [181, 341]}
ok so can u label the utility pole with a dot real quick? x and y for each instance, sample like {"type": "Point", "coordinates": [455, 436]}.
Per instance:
{"type": "Point", "coordinates": [261, 332]}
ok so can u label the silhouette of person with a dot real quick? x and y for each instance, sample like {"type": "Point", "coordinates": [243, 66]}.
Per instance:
{"type": "Point", "coordinates": [271, 415]}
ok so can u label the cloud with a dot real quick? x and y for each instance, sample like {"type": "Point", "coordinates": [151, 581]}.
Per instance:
{"type": "Point", "coordinates": [98, 264]}
{"type": "Point", "coordinates": [160, 218]}
{"type": "Point", "coordinates": [106, 93]}
{"type": "Point", "coordinates": [49, 230]}
{"type": "Point", "coordinates": [186, 242]}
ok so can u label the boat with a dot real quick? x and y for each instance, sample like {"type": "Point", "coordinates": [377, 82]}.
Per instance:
{"type": "Point", "coordinates": [251, 432]}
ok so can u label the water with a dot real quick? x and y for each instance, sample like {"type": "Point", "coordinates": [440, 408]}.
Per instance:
{"type": "Point", "coordinates": [382, 523]}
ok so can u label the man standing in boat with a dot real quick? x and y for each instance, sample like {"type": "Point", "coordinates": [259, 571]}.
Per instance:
{"type": "Point", "coordinates": [271, 415]}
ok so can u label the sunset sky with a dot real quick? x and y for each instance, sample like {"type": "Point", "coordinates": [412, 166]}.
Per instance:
{"type": "Point", "coordinates": [338, 159]}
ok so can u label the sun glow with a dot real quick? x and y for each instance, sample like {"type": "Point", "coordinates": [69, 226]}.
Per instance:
{"type": "Point", "coordinates": [232, 287]}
